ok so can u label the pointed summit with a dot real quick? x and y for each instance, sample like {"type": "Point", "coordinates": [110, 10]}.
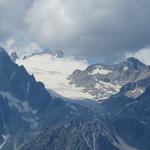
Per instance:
{"type": "Point", "coordinates": [134, 60]}
{"type": "Point", "coordinates": [1, 49]}
{"type": "Point", "coordinates": [4, 57]}
{"type": "Point", "coordinates": [14, 56]}
{"type": "Point", "coordinates": [3, 52]}
{"type": "Point", "coordinates": [135, 63]}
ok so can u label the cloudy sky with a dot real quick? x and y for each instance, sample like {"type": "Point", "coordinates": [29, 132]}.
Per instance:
{"type": "Point", "coordinates": [102, 30]}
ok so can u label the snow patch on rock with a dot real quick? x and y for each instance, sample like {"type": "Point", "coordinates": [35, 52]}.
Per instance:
{"type": "Point", "coordinates": [100, 70]}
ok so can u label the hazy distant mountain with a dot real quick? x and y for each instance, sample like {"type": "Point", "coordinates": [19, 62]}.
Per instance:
{"type": "Point", "coordinates": [26, 106]}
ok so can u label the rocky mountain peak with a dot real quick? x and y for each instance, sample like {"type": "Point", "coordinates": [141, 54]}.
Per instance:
{"type": "Point", "coordinates": [102, 81]}
{"type": "Point", "coordinates": [135, 63]}
{"type": "Point", "coordinates": [3, 55]}
{"type": "Point", "coordinates": [14, 56]}
{"type": "Point", "coordinates": [134, 60]}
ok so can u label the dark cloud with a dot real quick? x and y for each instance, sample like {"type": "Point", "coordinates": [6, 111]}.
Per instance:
{"type": "Point", "coordinates": [102, 29]}
{"type": "Point", "coordinates": [11, 17]}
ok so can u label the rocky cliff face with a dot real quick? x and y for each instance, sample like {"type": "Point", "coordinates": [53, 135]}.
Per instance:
{"type": "Point", "coordinates": [124, 124]}
{"type": "Point", "coordinates": [26, 106]}
{"type": "Point", "coordinates": [75, 135]}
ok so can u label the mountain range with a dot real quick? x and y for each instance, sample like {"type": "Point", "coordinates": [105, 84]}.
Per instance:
{"type": "Point", "coordinates": [122, 119]}
{"type": "Point", "coordinates": [88, 82]}
{"type": "Point", "coordinates": [122, 124]}
{"type": "Point", "coordinates": [35, 117]}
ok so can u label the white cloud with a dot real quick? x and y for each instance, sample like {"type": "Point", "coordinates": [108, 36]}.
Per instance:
{"type": "Point", "coordinates": [49, 22]}
{"type": "Point", "coordinates": [11, 17]}
{"type": "Point", "coordinates": [23, 47]}
{"type": "Point", "coordinates": [143, 55]}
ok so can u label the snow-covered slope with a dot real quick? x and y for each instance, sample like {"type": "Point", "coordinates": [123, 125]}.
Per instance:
{"type": "Point", "coordinates": [53, 72]}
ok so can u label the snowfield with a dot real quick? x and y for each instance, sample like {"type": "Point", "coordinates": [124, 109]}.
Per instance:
{"type": "Point", "coordinates": [53, 72]}
{"type": "Point", "coordinates": [100, 70]}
